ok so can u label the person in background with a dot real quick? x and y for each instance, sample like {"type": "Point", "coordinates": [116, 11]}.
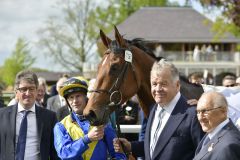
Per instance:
{"type": "Point", "coordinates": [56, 102]}
{"type": "Point", "coordinates": [196, 77]}
{"type": "Point", "coordinates": [53, 89]}
{"type": "Point", "coordinates": [1, 98]}
{"type": "Point", "coordinates": [42, 95]}
{"type": "Point", "coordinates": [74, 137]}
{"type": "Point", "coordinates": [237, 81]}
{"type": "Point", "coordinates": [222, 141]}
{"type": "Point", "coordinates": [27, 129]}
{"type": "Point", "coordinates": [229, 81]}
{"type": "Point", "coordinates": [173, 131]}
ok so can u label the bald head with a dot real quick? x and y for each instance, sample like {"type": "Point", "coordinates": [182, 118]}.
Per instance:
{"type": "Point", "coordinates": [211, 110]}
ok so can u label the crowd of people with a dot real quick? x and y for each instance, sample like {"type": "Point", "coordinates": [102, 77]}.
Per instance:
{"type": "Point", "coordinates": [37, 126]}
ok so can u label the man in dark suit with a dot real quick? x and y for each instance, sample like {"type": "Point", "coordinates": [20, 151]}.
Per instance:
{"type": "Point", "coordinates": [26, 129]}
{"type": "Point", "coordinates": [222, 141]}
{"type": "Point", "coordinates": [173, 131]}
{"type": "Point", "coordinates": [62, 113]}
{"type": "Point", "coordinates": [57, 101]}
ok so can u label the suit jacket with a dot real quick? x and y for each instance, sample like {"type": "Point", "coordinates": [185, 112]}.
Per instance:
{"type": "Point", "coordinates": [54, 103]}
{"type": "Point", "coordinates": [179, 138]}
{"type": "Point", "coordinates": [62, 113]}
{"type": "Point", "coordinates": [223, 146]}
{"type": "Point", "coordinates": [45, 122]}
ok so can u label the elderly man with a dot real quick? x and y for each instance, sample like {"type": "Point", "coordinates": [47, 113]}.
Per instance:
{"type": "Point", "coordinates": [222, 141]}
{"type": "Point", "coordinates": [173, 131]}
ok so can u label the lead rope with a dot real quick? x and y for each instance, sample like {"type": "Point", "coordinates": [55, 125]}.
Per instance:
{"type": "Point", "coordinates": [119, 134]}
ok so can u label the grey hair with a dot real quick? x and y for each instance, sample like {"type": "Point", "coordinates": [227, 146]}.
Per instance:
{"type": "Point", "coordinates": [162, 64]}
{"type": "Point", "coordinates": [26, 75]}
{"type": "Point", "coordinates": [42, 81]}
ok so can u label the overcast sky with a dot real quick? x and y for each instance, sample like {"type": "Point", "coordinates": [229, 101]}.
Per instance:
{"type": "Point", "coordinates": [22, 18]}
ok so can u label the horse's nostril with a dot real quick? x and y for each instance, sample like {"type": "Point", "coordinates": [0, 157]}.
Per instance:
{"type": "Point", "coordinates": [92, 118]}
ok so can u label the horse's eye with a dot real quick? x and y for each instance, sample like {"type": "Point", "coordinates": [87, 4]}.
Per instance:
{"type": "Point", "coordinates": [114, 70]}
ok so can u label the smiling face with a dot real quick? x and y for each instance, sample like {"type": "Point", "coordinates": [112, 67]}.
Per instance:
{"type": "Point", "coordinates": [77, 101]}
{"type": "Point", "coordinates": [211, 111]}
{"type": "Point", "coordinates": [26, 93]}
{"type": "Point", "coordinates": [163, 87]}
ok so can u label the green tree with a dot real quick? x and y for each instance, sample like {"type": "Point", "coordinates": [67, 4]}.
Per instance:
{"type": "Point", "coordinates": [71, 39]}
{"type": "Point", "coordinates": [124, 8]}
{"type": "Point", "coordinates": [230, 9]}
{"type": "Point", "coordinates": [20, 59]}
{"type": "Point", "coordinates": [229, 18]}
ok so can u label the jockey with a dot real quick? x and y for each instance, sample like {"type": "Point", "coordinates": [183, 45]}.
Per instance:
{"type": "Point", "coordinates": [74, 137]}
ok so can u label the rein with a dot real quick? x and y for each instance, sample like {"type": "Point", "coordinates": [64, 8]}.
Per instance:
{"type": "Point", "coordinates": [115, 95]}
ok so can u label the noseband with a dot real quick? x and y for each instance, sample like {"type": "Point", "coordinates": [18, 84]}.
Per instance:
{"type": "Point", "coordinates": [115, 95]}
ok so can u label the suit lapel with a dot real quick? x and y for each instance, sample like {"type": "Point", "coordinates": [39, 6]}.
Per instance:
{"type": "Point", "coordinates": [199, 147]}
{"type": "Point", "coordinates": [12, 120]}
{"type": "Point", "coordinates": [148, 133]}
{"type": "Point", "coordinates": [213, 142]}
{"type": "Point", "coordinates": [173, 122]}
{"type": "Point", "coordinates": [39, 122]}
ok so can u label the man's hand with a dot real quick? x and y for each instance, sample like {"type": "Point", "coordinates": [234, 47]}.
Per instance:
{"type": "Point", "coordinates": [118, 146]}
{"type": "Point", "coordinates": [96, 133]}
{"type": "Point", "coordinates": [192, 102]}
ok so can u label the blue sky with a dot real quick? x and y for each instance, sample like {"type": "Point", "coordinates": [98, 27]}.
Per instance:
{"type": "Point", "coordinates": [22, 18]}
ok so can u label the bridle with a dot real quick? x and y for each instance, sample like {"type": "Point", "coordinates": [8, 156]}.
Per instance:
{"type": "Point", "coordinates": [115, 95]}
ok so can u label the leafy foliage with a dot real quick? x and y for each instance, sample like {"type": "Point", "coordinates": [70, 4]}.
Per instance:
{"type": "Point", "coordinates": [71, 40]}
{"type": "Point", "coordinates": [20, 59]}
{"type": "Point", "coordinates": [230, 10]}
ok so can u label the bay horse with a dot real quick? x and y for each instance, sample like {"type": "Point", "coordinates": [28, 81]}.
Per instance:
{"type": "Point", "coordinates": [123, 72]}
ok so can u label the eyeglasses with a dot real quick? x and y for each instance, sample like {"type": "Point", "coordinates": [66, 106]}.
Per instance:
{"type": "Point", "coordinates": [206, 111]}
{"type": "Point", "coordinates": [231, 85]}
{"type": "Point", "coordinates": [25, 89]}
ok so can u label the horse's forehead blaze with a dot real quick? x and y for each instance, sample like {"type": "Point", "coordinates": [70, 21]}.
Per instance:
{"type": "Point", "coordinates": [104, 61]}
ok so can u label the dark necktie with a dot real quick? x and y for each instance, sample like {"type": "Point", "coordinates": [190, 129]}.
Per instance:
{"type": "Point", "coordinates": [155, 137]}
{"type": "Point", "coordinates": [206, 140]}
{"type": "Point", "coordinates": [21, 144]}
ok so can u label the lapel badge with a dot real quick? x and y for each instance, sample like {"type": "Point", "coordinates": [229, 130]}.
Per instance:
{"type": "Point", "coordinates": [210, 148]}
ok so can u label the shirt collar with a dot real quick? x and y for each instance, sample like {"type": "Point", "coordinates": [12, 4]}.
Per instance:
{"type": "Point", "coordinates": [170, 106]}
{"type": "Point", "coordinates": [20, 108]}
{"type": "Point", "coordinates": [218, 128]}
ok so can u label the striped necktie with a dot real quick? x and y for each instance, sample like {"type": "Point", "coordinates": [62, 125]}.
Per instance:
{"type": "Point", "coordinates": [21, 144]}
{"type": "Point", "coordinates": [155, 136]}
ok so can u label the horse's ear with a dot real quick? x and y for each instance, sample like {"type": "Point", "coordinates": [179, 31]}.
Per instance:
{"type": "Point", "coordinates": [106, 41]}
{"type": "Point", "coordinates": [119, 37]}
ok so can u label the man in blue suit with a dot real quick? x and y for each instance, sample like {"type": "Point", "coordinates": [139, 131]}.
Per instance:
{"type": "Point", "coordinates": [173, 131]}
{"type": "Point", "coordinates": [222, 141]}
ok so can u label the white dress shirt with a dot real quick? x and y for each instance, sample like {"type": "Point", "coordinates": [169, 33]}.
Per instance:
{"type": "Point", "coordinates": [32, 150]}
{"type": "Point", "coordinates": [168, 110]}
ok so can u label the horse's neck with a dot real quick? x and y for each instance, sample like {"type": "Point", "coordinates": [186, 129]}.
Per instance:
{"type": "Point", "coordinates": [145, 99]}
{"type": "Point", "coordinates": [144, 65]}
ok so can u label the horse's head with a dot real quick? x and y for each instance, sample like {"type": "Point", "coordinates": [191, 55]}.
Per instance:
{"type": "Point", "coordinates": [117, 79]}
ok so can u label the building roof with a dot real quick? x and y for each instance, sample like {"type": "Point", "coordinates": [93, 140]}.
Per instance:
{"type": "Point", "coordinates": [170, 24]}
{"type": "Point", "coordinates": [52, 77]}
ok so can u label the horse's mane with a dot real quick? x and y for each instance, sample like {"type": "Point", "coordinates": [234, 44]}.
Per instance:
{"type": "Point", "coordinates": [137, 42]}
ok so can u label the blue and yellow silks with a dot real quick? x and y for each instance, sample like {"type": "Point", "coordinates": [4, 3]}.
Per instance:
{"type": "Point", "coordinates": [71, 142]}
